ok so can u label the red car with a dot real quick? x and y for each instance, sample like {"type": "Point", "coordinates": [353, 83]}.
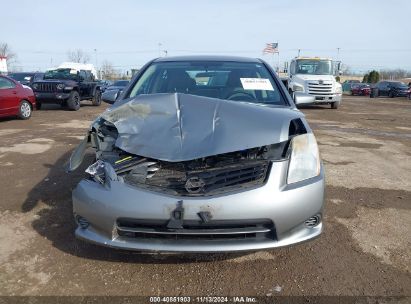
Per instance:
{"type": "Point", "coordinates": [15, 99]}
{"type": "Point", "coordinates": [360, 89]}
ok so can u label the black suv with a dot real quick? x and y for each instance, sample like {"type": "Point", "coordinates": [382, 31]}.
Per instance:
{"type": "Point", "coordinates": [67, 87]}
{"type": "Point", "coordinates": [390, 89]}
{"type": "Point", "coordinates": [27, 78]}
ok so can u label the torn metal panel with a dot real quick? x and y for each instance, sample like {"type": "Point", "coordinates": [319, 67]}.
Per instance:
{"type": "Point", "coordinates": [179, 127]}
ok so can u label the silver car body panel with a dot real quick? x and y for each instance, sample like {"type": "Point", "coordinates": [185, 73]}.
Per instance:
{"type": "Point", "coordinates": [288, 206]}
{"type": "Point", "coordinates": [178, 127]}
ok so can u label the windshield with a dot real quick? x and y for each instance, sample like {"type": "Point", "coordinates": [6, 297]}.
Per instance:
{"type": "Point", "coordinates": [61, 74]}
{"type": "Point", "coordinates": [314, 67]}
{"type": "Point", "coordinates": [121, 83]}
{"type": "Point", "coordinates": [21, 76]}
{"type": "Point", "coordinates": [238, 81]}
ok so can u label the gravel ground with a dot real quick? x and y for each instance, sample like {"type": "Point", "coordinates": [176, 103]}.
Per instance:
{"type": "Point", "coordinates": [365, 249]}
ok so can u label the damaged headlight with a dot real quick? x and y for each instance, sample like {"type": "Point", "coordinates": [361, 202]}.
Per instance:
{"type": "Point", "coordinates": [305, 158]}
{"type": "Point", "coordinates": [96, 170]}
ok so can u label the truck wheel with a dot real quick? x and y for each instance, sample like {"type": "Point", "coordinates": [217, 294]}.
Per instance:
{"type": "Point", "coordinates": [24, 110]}
{"type": "Point", "coordinates": [73, 102]}
{"type": "Point", "coordinates": [97, 98]}
{"type": "Point", "coordinates": [335, 104]}
{"type": "Point", "coordinates": [391, 95]}
{"type": "Point", "coordinates": [38, 105]}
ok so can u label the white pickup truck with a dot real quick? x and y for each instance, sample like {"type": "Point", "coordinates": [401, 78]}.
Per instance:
{"type": "Point", "coordinates": [315, 76]}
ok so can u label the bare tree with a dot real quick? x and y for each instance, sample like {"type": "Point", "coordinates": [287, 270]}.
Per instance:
{"type": "Point", "coordinates": [107, 70]}
{"type": "Point", "coordinates": [78, 56]}
{"type": "Point", "coordinates": [6, 51]}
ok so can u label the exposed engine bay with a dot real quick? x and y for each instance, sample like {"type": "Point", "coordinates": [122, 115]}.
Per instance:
{"type": "Point", "coordinates": [198, 177]}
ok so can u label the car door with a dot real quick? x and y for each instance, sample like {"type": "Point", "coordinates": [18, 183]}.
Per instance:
{"type": "Point", "coordinates": [9, 99]}
{"type": "Point", "coordinates": [83, 84]}
{"type": "Point", "coordinates": [382, 88]}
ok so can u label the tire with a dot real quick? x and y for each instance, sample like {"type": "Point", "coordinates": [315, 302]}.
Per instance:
{"type": "Point", "coordinates": [96, 101]}
{"type": "Point", "coordinates": [38, 105]}
{"type": "Point", "coordinates": [73, 102]}
{"type": "Point", "coordinates": [391, 94]}
{"type": "Point", "coordinates": [335, 104]}
{"type": "Point", "coordinates": [25, 110]}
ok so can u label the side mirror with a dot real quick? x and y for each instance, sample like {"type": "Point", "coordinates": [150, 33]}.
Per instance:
{"type": "Point", "coordinates": [110, 96]}
{"type": "Point", "coordinates": [302, 98]}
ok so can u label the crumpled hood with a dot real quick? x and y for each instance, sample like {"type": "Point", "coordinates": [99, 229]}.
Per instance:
{"type": "Point", "coordinates": [180, 127]}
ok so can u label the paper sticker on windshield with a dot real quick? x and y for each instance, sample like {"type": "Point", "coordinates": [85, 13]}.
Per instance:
{"type": "Point", "coordinates": [73, 72]}
{"type": "Point", "coordinates": [256, 84]}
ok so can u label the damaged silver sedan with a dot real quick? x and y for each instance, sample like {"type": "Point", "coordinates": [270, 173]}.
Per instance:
{"type": "Point", "coordinates": [201, 154]}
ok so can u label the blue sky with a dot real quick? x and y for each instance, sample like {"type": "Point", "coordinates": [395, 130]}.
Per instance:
{"type": "Point", "coordinates": [369, 33]}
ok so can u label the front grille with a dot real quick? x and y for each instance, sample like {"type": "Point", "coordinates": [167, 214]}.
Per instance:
{"type": "Point", "coordinates": [320, 89]}
{"type": "Point", "coordinates": [46, 87]}
{"type": "Point", "coordinates": [196, 230]}
{"type": "Point", "coordinates": [175, 178]}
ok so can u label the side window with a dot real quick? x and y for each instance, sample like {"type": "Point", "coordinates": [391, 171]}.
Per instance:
{"type": "Point", "coordinates": [6, 84]}
{"type": "Point", "coordinates": [292, 67]}
{"type": "Point", "coordinates": [89, 76]}
{"type": "Point", "coordinates": [82, 75]}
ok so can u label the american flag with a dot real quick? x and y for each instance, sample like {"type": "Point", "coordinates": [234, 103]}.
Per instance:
{"type": "Point", "coordinates": [271, 48]}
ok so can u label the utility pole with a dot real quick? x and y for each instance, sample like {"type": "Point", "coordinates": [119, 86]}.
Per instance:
{"type": "Point", "coordinates": [98, 72]}
{"type": "Point", "coordinates": [299, 51]}
{"type": "Point", "coordinates": [338, 54]}
{"type": "Point", "coordinates": [159, 49]}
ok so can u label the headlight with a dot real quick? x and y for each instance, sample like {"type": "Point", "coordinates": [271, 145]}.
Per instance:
{"type": "Point", "coordinates": [96, 170]}
{"type": "Point", "coordinates": [305, 158]}
{"type": "Point", "coordinates": [338, 90]}
{"type": "Point", "coordinates": [60, 86]}
{"type": "Point", "coordinates": [298, 88]}
{"type": "Point", "coordinates": [35, 86]}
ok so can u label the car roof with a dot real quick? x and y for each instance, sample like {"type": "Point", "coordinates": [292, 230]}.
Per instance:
{"type": "Point", "coordinates": [26, 73]}
{"type": "Point", "coordinates": [207, 58]}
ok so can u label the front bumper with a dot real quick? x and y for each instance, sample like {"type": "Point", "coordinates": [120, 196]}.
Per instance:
{"type": "Point", "coordinates": [327, 98]}
{"type": "Point", "coordinates": [51, 97]}
{"type": "Point", "coordinates": [401, 94]}
{"type": "Point", "coordinates": [287, 206]}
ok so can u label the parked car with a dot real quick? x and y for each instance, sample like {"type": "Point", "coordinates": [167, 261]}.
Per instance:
{"type": "Point", "coordinates": [390, 89]}
{"type": "Point", "coordinates": [115, 89]}
{"type": "Point", "coordinates": [118, 85]}
{"type": "Point", "coordinates": [347, 85]}
{"type": "Point", "coordinates": [104, 84]}
{"type": "Point", "coordinates": [361, 89]}
{"type": "Point", "coordinates": [197, 167]}
{"type": "Point", "coordinates": [27, 78]}
{"type": "Point", "coordinates": [15, 99]}
{"type": "Point", "coordinates": [67, 87]}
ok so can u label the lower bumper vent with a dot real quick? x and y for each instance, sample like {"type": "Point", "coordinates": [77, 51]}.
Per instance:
{"type": "Point", "coordinates": [196, 230]}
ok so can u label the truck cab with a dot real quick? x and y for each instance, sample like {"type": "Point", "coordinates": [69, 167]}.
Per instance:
{"type": "Point", "coordinates": [315, 76]}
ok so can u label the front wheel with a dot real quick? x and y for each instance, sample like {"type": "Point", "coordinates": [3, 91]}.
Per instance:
{"type": "Point", "coordinates": [25, 110]}
{"type": "Point", "coordinates": [38, 105]}
{"type": "Point", "coordinates": [335, 104]}
{"type": "Point", "coordinates": [73, 102]}
{"type": "Point", "coordinates": [391, 95]}
{"type": "Point", "coordinates": [97, 98]}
